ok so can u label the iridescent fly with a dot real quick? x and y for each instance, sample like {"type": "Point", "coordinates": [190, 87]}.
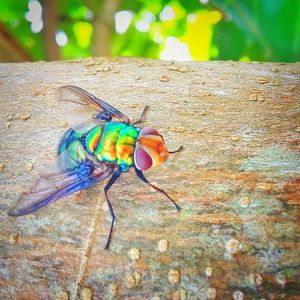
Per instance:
{"type": "Point", "coordinates": [104, 144]}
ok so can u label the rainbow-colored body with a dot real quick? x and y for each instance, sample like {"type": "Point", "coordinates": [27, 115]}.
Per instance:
{"type": "Point", "coordinates": [111, 142]}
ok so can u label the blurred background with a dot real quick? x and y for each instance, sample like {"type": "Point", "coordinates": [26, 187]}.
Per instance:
{"type": "Point", "coordinates": [242, 30]}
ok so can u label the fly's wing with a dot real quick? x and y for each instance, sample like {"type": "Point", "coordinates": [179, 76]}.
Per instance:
{"type": "Point", "coordinates": [79, 106]}
{"type": "Point", "coordinates": [63, 178]}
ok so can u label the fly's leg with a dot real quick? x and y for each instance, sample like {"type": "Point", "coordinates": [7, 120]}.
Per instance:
{"type": "Point", "coordinates": [143, 178]}
{"type": "Point", "coordinates": [140, 119]}
{"type": "Point", "coordinates": [112, 180]}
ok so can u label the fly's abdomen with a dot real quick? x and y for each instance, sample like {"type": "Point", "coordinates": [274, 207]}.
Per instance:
{"type": "Point", "coordinates": [113, 143]}
{"type": "Point", "coordinates": [106, 147]}
{"type": "Point", "coordinates": [92, 139]}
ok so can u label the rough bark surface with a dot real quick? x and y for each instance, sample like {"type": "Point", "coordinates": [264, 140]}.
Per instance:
{"type": "Point", "coordinates": [237, 181]}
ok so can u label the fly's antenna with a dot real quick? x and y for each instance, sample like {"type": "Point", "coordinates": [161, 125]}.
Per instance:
{"type": "Point", "coordinates": [178, 150]}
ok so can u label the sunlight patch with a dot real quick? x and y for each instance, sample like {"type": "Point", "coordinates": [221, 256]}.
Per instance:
{"type": "Point", "coordinates": [175, 50]}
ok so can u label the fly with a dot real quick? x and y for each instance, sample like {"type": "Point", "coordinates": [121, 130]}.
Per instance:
{"type": "Point", "coordinates": [104, 144]}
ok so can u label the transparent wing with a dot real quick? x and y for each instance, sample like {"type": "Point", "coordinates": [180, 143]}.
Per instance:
{"type": "Point", "coordinates": [86, 126]}
{"type": "Point", "coordinates": [63, 178]}
{"type": "Point", "coordinates": [79, 106]}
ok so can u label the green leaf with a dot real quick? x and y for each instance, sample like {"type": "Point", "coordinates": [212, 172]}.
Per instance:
{"type": "Point", "coordinates": [270, 29]}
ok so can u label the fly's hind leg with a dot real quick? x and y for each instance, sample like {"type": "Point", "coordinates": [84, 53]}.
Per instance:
{"type": "Point", "coordinates": [112, 180]}
{"type": "Point", "coordinates": [140, 119]}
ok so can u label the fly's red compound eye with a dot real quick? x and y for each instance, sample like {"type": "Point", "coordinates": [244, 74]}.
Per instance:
{"type": "Point", "coordinates": [142, 159]}
{"type": "Point", "coordinates": [148, 131]}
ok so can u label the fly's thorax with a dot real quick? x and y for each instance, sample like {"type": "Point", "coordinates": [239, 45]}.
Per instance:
{"type": "Point", "coordinates": [150, 149]}
{"type": "Point", "coordinates": [125, 146]}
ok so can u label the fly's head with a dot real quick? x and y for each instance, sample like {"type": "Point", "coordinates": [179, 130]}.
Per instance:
{"type": "Point", "coordinates": [150, 149]}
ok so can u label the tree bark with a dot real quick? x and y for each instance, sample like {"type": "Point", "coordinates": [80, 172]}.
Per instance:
{"type": "Point", "coordinates": [237, 182]}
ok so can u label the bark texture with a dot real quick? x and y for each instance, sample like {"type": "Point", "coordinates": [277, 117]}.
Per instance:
{"type": "Point", "coordinates": [237, 181]}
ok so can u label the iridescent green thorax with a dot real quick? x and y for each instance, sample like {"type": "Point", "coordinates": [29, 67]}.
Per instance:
{"type": "Point", "coordinates": [125, 146]}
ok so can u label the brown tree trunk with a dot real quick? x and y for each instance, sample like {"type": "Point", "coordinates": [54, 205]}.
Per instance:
{"type": "Point", "coordinates": [237, 182]}
{"type": "Point", "coordinates": [103, 27]}
{"type": "Point", "coordinates": [50, 18]}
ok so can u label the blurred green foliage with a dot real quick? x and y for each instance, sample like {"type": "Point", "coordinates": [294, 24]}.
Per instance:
{"type": "Point", "coordinates": [261, 30]}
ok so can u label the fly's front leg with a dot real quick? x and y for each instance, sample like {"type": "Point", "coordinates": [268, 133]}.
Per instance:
{"type": "Point", "coordinates": [143, 178]}
{"type": "Point", "coordinates": [140, 119]}
{"type": "Point", "coordinates": [112, 180]}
